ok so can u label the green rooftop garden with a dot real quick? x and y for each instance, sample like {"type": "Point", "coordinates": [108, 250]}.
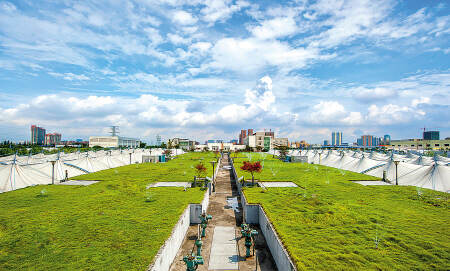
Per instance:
{"type": "Point", "coordinates": [116, 224]}
{"type": "Point", "coordinates": [330, 223]}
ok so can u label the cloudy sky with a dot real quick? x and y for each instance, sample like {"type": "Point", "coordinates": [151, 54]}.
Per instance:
{"type": "Point", "coordinates": [206, 69]}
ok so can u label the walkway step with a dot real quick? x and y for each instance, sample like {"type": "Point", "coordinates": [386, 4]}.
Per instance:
{"type": "Point", "coordinates": [223, 250]}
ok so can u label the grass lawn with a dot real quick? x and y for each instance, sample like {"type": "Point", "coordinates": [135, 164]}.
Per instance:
{"type": "Point", "coordinates": [330, 223]}
{"type": "Point", "coordinates": [115, 224]}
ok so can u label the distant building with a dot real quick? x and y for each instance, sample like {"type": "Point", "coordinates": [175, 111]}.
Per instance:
{"type": "Point", "coordinates": [182, 143]}
{"type": "Point", "coordinates": [224, 146]}
{"type": "Point", "coordinates": [301, 144]}
{"type": "Point", "coordinates": [114, 142]}
{"type": "Point", "coordinates": [369, 141]}
{"type": "Point", "coordinates": [336, 138]}
{"type": "Point", "coordinates": [326, 143]}
{"type": "Point", "coordinates": [387, 140]}
{"type": "Point", "coordinates": [264, 140]}
{"type": "Point", "coordinates": [431, 135]}
{"type": "Point", "coordinates": [420, 144]}
{"type": "Point", "coordinates": [37, 135]}
{"type": "Point", "coordinates": [376, 141]}
{"type": "Point", "coordinates": [242, 136]}
{"type": "Point", "coordinates": [211, 141]}
{"type": "Point", "coordinates": [234, 141]}
{"type": "Point", "coordinates": [280, 142]}
{"type": "Point", "coordinates": [158, 140]}
{"type": "Point", "coordinates": [366, 141]}
{"type": "Point", "coordinates": [53, 139]}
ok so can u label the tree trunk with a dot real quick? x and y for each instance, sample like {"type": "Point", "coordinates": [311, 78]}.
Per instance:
{"type": "Point", "coordinates": [253, 180]}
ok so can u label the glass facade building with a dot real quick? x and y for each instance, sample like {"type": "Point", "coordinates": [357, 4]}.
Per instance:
{"type": "Point", "coordinates": [336, 138]}
{"type": "Point", "coordinates": [37, 135]}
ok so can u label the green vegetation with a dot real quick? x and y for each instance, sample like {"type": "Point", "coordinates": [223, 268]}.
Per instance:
{"type": "Point", "coordinates": [180, 169]}
{"type": "Point", "coordinates": [9, 148]}
{"type": "Point", "coordinates": [330, 223]}
{"type": "Point", "coordinates": [116, 224]}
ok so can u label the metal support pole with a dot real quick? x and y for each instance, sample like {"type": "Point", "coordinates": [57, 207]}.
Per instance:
{"type": "Point", "coordinates": [53, 172]}
{"type": "Point", "coordinates": [396, 171]}
{"type": "Point", "coordinates": [130, 158]}
{"type": "Point", "coordinates": [213, 181]}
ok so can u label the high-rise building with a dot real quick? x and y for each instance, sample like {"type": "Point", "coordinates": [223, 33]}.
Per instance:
{"type": "Point", "coordinates": [366, 141]}
{"type": "Point", "coordinates": [336, 138]}
{"type": "Point", "coordinates": [387, 140]}
{"type": "Point", "coordinates": [249, 132]}
{"type": "Point", "coordinates": [376, 141]}
{"type": "Point", "coordinates": [158, 140]}
{"type": "Point", "coordinates": [369, 141]}
{"type": "Point", "coordinates": [37, 135]}
{"type": "Point", "coordinates": [242, 135]}
{"type": "Point", "coordinates": [52, 139]}
{"type": "Point", "coordinates": [431, 135]}
{"type": "Point", "coordinates": [326, 143]}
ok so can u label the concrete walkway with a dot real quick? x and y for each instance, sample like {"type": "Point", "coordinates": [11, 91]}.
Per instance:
{"type": "Point", "coordinates": [218, 253]}
{"type": "Point", "coordinates": [223, 249]}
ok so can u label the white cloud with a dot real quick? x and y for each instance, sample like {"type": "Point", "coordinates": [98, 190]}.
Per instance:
{"type": "Point", "coordinates": [220, 10]}
{"type": "Point", "coordinates": [153, 35]}
{"type": "Point", "coordinates": [261, 97]}
{"type": "Point", "coordinates": [421, 100]}
{"type": "Point", "coordinates": [201, 46]}
{"type": "Point", "coordinates": [70, 76]}
{"type": "Point", "coordinates": [373, 94]}
{"type": "Point", "coordinates": [253, 54]}
{"type": "Point", "coordinates": [183, 17]}
{"type": "Point", "coordinates": [274, 28]}
{"type": "Point", "coordinates": [177, 39]}
{"type": "Point", "coordinates": [334, 113]}
{"type": "Point", "coordinates": [391, 114]}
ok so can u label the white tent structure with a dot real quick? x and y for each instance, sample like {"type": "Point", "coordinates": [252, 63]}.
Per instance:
{"type": "Point", "coordinates": [22, 171]}
{"type": "Point", "coordinates": [412, 169]}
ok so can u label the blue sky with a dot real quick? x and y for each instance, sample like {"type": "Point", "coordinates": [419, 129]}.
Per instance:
{"type": "Point", "coordinates": [206, 69]}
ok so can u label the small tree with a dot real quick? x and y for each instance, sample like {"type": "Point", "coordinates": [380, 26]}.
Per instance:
{"type": "Point", "coordinates": [167, 152]}
{"type": "Point", "coordinates": [252, 168]}
{"type": "Point", "coordinates": [201, 170]}
{"type": "Point", "coordinates": [283, 150]}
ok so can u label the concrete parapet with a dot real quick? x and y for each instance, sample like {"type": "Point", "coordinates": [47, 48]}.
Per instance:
{"type": "Point", "coordinates": [168, 251]}
{"type": "Point", "coordinates": [279, 253]}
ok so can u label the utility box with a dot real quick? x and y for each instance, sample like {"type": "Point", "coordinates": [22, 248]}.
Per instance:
{"type": "Point", "coordinates": [299, 159]}
{"type": "Point", "coordinates": [162, 158]}
{"type": "Point", "coordinates": [150, 159]}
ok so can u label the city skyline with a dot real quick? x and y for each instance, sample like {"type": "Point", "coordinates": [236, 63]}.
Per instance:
{"type": "Point", "coordinates": [208, 69]}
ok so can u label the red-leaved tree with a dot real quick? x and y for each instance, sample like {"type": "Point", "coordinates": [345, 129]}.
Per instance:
{"type": "Point", "coordinates": [252, 168]}
{"type": "Point", "coordinates": [201, 170]}
{"type": "Point", "coordinates": [167, 152]}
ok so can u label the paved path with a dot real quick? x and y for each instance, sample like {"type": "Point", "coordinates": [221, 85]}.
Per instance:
{"type": "Point", "coordinates": [218, 253]}
{"type": "Point", "coordinates": [223, 249]}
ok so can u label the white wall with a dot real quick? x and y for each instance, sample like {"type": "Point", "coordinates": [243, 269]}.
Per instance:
{"type": "Point", "coordinates": [169, 250]}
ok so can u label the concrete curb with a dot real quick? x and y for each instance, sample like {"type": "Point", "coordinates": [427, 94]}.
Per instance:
{"type": "Point", "coordinates": [255, 214]}
{"type": "Point", "coordinates": [167, 253]}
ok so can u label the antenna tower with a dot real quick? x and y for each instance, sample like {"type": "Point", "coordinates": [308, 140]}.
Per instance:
{"type": "Point", "coordinates": [114, 130]}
